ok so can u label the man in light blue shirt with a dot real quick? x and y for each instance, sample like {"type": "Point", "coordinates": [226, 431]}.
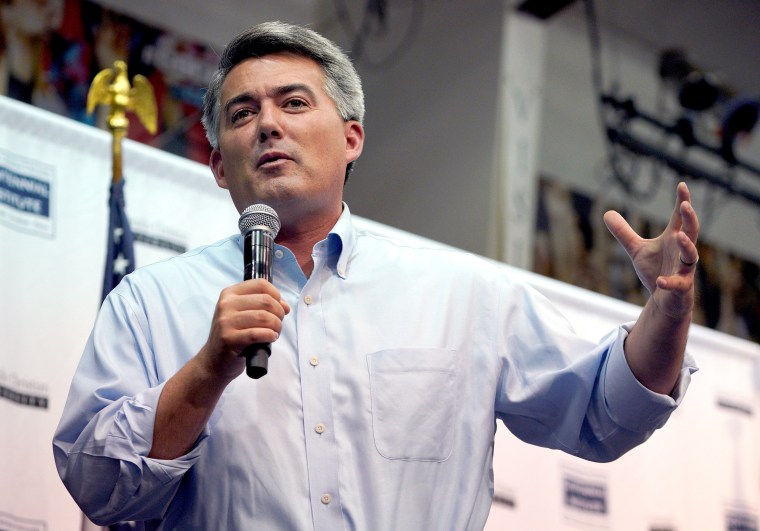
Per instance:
{"type": "Point", "coordinates": [390, 361]}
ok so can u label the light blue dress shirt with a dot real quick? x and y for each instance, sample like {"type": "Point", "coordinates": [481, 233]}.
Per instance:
{"type": "Point", "coordinates": [380, 406]}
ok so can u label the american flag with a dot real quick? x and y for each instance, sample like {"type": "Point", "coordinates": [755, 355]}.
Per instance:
{"type": "Point", "coordinates": [120, 255]}
{"type": "Point", "coordinates": [120, 260]}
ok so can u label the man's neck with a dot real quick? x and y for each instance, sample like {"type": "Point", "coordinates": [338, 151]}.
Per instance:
{"type": "Point", "coordinates": [301, 242]}
{"type": "Point", "coordinates": [302, 249]}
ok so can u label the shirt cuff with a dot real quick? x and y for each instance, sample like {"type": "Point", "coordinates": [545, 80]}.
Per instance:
{"type": "Point", "coordinates": [132, 435]}
{"type": "Point", "coordinates": [630, 404]}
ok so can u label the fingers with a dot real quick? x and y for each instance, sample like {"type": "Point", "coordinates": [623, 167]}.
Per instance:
{"type": "Point", "coordinates": [686, 222]}
{"type": "Point", "coordinates": [679, 285]}
{"type": "Point", "coordinates": [246, 313]}
{"type": "Point", "coordinates": [255, 294]}
{"type": "Point", "coordinates": [690, 221]}
{"type": "Point", "coordinates": [621, 230]}
{"type": "Point", "coordinates": [688, 255]}
{"type": "Point", "coordinates": [254, 306]}
{"type": "Point", "coordinates": [667, 262]}
{"type": "Point", "coordinates": [676, 290]}
{"type": "Point", "coordinates": [684, 217]}
{"type": "Point", "coordinates": [682, 195]}
{"type": "Point", "coordinates": [250, 326]}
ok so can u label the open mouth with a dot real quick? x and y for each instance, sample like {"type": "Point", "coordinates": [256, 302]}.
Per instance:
{"type": "Point", "coordinates": [271, 158]}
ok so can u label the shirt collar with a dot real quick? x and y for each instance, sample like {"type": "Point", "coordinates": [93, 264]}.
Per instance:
{"type": "Point", "coordinates": [341, 240]}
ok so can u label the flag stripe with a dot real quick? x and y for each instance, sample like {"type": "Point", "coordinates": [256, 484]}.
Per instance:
{"type": "Point", "coordinates": [120, 252]}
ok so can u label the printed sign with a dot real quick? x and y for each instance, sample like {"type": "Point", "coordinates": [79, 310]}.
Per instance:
{"type": "Point", "coordinates": [27, 200]}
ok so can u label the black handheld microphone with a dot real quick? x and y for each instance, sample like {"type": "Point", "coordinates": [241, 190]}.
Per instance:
{"type": "Point", "coordinates": [259, 226]}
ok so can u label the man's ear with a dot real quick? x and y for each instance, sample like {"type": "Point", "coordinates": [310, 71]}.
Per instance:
{"type": "Point", "coordinates": [354, 140]}
{"type": "Point", "coordinates": [217, 168]}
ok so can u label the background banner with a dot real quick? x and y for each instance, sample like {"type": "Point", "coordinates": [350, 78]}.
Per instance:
{"type": "Point", "coordinates": [699, 472]}
{"type": "Point", "coordinates": [54, 181]}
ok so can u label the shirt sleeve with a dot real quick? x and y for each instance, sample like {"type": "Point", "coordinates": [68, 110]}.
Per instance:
{"type": "Point", "coordinates": [562, 391]}
{"type": "Point", "coordinates": [105, 434]}
{"type": "Point", "coordinates": [632, 405]}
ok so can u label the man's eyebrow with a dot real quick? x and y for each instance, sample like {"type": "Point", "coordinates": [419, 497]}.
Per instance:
{"type": "Point", "coordinates": [294, 87]}
{"type": "Point", "coordinates": [246, 97]}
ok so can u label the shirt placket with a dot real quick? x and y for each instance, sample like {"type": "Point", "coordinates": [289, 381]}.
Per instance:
{"type": "Point", "coordinates": [319, 433]}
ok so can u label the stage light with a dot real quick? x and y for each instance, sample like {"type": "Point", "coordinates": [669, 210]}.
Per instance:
{"type": "Point", "coordinates": [739, 119]}
{"type": "Point", "coordinates": [543, 9]}
{"type": "Point", "coordinates": [697, 90]}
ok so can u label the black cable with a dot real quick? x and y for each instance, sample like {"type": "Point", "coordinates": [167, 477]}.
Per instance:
{"type": "Point", "coordinates": [359, 37]}
{"type": "Point", "coordinates": [344, 18]}
{"type": "Point", "coordinates": [597, 84]}
{"type": "Point", "coordinates": [411, 33]}
{"type": "Point", "coordinates": [592, 25]}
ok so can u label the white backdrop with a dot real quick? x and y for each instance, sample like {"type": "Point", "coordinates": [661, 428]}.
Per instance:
{"type": "Point", "coordinates": [51, 274]}
{"type": "Point", "coordinates": [700, 472]}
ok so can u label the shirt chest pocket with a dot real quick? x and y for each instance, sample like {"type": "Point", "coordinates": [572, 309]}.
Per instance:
{"type": "Point", "coordinates": [414, 402]}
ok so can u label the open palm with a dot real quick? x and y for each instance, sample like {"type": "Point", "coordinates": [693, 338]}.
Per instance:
{"type": "Point", "coordinates": [665, 264]}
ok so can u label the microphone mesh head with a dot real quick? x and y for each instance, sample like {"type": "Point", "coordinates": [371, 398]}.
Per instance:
{"type": "Point", "coordinates": [259, 215]}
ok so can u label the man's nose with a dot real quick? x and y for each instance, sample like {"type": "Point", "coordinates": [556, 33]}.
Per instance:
{"type": "Point", "coordinates": [269, 124]}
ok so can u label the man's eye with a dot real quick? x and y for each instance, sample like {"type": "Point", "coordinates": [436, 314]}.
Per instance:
{"type": "Point", "coordinates": [241, 113]}
{"type": "Point", "coordinates": [295, 104]}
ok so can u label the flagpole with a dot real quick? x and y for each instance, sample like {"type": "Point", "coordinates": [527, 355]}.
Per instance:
{"type": "Point", "coordinates": [117, 134]}
{"type": "Point", "coordinates": [111, 87]}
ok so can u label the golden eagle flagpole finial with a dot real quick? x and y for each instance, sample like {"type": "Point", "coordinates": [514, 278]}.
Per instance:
{"type": "Point", "coordinates": [111, 87]}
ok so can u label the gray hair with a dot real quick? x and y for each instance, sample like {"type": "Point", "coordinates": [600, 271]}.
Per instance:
{"type": "Point", "coordinates": [342, 82]}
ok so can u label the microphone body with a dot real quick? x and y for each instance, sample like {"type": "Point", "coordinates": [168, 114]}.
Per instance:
{"type": "Point", "coordinates": [259, 225]}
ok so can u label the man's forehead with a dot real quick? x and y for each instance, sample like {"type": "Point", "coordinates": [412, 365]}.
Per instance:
{"type": "Point", "coordinates": [274, 70]}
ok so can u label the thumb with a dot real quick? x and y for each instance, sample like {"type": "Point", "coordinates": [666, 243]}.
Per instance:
{"type": "Point", "coordinates": [621, 230]}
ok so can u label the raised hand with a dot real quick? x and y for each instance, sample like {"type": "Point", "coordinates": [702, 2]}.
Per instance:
{"type": "Point", "coordinates": [665, 264]}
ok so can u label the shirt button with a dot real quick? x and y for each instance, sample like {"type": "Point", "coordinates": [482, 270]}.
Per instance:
{"type": "Point", "coordinates": [320, 428]}
{"type": "Point", "coordinates": [341, 271]}
{"type": "Point", "coordinates": [326, 499]}
{"type": "Point", "coordinates": [307, 299]}
{"type": "Point", "coordinates": [314, 361]}
{"type": "Point", "coordinates": [278, 253]}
